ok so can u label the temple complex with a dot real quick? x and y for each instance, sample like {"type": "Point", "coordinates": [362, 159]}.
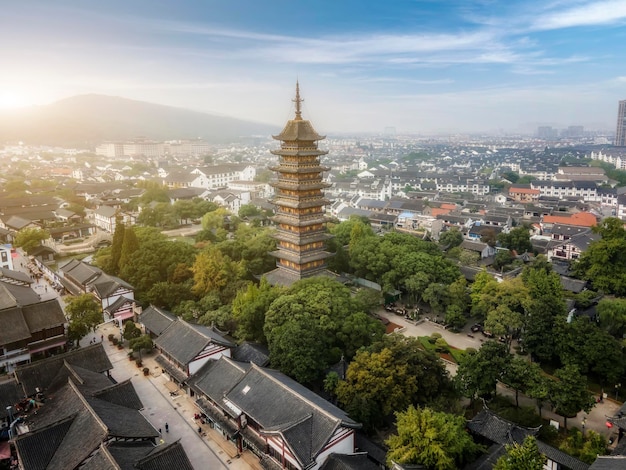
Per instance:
{"type": "Point", "coordinates": [299, 200]}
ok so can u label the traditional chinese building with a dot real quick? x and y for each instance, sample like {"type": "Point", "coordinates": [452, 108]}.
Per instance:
{"type": "Point", "coordinates": [299, 200]}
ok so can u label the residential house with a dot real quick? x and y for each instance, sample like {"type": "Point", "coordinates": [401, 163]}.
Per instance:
{"type": "Point", "coordinates": [6, 258]}
{"type": "Point", "coordinates": [524, 193]}
{"type": "Point", "coordinates": [484, 250]}
{"type": "Point", "coordinates": [31, 328]}
{"type": "Point", "coordinates": [219, 176]}
{"type": "Point", "coordinates": [571, 248]}
{"type": "Point", "coordinates": [240, 400]}
{"type": "Point", "coordinates": [581, 219]}
{"type": "Point", "coordinates": [185, 347]}
{"type": "Point", "coordinates": [79, 277]}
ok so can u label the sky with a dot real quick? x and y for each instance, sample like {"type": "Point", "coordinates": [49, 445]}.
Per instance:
{"type": "Point", "coordinates": [421, 66]}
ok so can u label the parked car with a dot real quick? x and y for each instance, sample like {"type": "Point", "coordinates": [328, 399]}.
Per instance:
{"type": "Point", "coordinates": [487, 334]}
{"type": "Point", "coordinates": [476, 328]}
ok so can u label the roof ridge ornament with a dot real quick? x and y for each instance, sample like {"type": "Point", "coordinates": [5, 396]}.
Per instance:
{"type": "Point", "coordinates": [298, 101]}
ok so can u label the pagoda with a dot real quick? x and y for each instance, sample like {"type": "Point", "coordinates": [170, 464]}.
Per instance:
{"type": "Point", "coordinates": [299, 200]}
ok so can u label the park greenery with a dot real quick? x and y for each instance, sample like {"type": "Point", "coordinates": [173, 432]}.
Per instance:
{"type": "Point", "coordinates": [84, 313]}
{"type": "Point", "coordinates": [318, 322]}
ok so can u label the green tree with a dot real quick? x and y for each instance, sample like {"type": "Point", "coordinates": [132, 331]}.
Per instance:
{"type": "Point", "coordinates": [129, 246]}
{"type": "Point", "coordinates": [478, 373]}
{"type": "Point", "coordinates": [249, 307]}
{"type": "Point", "coordinates": [390, 375]}
{"type": "Point", "coordinates": [184, 209]}
{"type": "Point", "coordinates": [84, 314]}
{"type": "Point", "coordinates": [167, 295]}
{"type": "Point", "coordinates": [525, 456]}
{"type": "Point", "coordinates": [604, 261]}
{"type": "Point", "coordinates": [131, 331]}
{"type": "Point", "coordinates": [520, 375]}
{"type": "Point", "coordinates": [434, 439]}
{"type": "Point", "coordinates": [585, 448]}
{"type": "Point", "coordinates": [30, 238]}
{"type": "Point", "coordinates": [451, 238]}
{"type": "Point", "coordinates": [612, 315]}
{"type": "Point", "coordinates": [323, 306]}
{"type": "Point", "coordinates": [545, 309]}
{"type": "Point", "coordinates": [116, 247]}
{"type": "Point", "coordinates": [569, 393]}
{"type": "Point", "coordinates": [517, 239]}
{"type": "Point", "coordinates": [249, 210]}
{"type": "Point", "coordinates": [214, 272]}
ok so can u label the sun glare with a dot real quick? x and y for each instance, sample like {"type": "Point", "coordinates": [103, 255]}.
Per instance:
{"type": "Point", "coordinates": [11, 99]}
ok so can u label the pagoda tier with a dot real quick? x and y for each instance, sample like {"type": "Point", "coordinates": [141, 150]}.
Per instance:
{"type": "Point", "coordinates": [299, 200]}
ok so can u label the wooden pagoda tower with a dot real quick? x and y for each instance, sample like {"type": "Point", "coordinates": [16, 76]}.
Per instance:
{"type": "Point", "coordinates": [299, 200]}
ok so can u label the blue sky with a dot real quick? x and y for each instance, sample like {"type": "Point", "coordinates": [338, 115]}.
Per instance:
{"type": "Point", "coordinates": [426, 66]}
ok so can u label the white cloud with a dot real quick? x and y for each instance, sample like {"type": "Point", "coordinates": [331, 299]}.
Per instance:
{"type": "Point", "coordinates": [590, 14]}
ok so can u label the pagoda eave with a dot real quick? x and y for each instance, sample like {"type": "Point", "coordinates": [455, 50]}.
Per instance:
{"type": "Point", "coordinates": [295, 186]}
{"type": "Point", "coordinates": [298, 152]}
{"type": "Point", "coordinates": [294, 204]}
{"type": "Point", "coordinates": [282, 219]}
{"type": "Point", "coordinates": [288, 237]}
{"type": "Point", "coordinates": [299, 170]}
{"type": "Point", "coordinates": [301, 258]}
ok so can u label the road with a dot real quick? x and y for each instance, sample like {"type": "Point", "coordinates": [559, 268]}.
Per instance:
{"type": "Point", "coordinates": [594, 420]}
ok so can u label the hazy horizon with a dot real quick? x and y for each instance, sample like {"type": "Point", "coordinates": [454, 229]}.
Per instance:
{"type": "Point", "coordinates": [421, 67]}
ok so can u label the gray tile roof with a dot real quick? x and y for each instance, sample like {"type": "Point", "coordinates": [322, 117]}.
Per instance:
{"type": "Point", "coordinates": [118, 304]}
{"type": "Point", "coordinates": [18, 276]}
{"type": "Point", "coordinates": [14, 327]}
{"type": "Point", "coordinates": [183, 341]}
{"type": "Point", "coordinates": [42, 373]}
{"type": "Point", "coordinates": [166, 457]}
{"type": "Point", "coordinates": [305, 420]}
{"type": "Point", "coordinates": [156, 320]}
{"type": "Point", "coordinates": [122, 393]}
{"type": "Point", "coordinates": [609, 462]}
{"type": "Point", "coordinates": [348, 462]}
{"type": "Point", "coordinates": [252, 352]}
{"type": "Point", "coordinates": [215, 378]}
{"type": "Point", "coordinates": [12, 295]}
{"type": "Point", "coordinates": [43, 315]}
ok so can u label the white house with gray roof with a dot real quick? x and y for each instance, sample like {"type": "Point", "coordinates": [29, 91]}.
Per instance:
{"type": "Point", "coordinates": [285, 424]}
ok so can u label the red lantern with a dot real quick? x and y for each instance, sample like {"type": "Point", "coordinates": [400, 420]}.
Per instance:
{"type": "Point", "coordinates": [609, 424]}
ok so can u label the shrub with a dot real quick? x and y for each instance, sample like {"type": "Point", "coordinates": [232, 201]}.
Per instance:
{"type": "Point", "coordinates": [115, 341]}
{"type": "Point", "coordinates": [138, 363]}
{"type": "Point", "coordinates": [111, 336]}
{"type": "Point", "coordinates": [146, 371]}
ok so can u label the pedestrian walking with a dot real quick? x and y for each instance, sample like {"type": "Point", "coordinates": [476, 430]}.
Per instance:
{"type": "Point", "coordinates": [160, 431]}
{"type": "Point", "coordinates": [101, 338]}
{"type": "Point", "coordinates": [167, 427]}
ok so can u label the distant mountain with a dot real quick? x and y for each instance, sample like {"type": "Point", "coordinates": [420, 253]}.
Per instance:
{"type": "Point", "coordinates": [90, 119]}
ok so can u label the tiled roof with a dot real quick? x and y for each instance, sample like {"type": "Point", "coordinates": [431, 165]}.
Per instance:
{"type": "Point", "coordinates": [156, 320]}
{"type": "Point", "coordinates": [43, 315]}
{"type": "Point", "coordinates": [609, 462]}
{"type": "Point", "coordinates": [298, 130]}
{"type": "Point", "coordinates": [166, 457]}
{"type": "Point", "coordinates": [215, 378]}
{"type": "Point", "coordinates": [251, 352]}
{"type": "Point", "coordinates": [122, 393]}
{"type": "Point", "coordinates": [42, 373]}
{"type": "Point", "coordinates": [348, 462]}
{"type": "Point", "coordinates": [14, 326]}
{"type": "Point", "coordinates": [11, 275]}
{"type": "Point", "coordinates": [305, 420]}
{"type": "Point", "coordinates": [183, 341]}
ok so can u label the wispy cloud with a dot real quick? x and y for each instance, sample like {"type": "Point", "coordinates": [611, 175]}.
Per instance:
{"type": "Point", "coordinates": [589, 14]}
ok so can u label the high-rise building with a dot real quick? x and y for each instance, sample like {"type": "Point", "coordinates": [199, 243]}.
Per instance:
{"type": "Point", "coordinates": [620, 132]}
{"type": "Point", "coordinates": [299, 200]}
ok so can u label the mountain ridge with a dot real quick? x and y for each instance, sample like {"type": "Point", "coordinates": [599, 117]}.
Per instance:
{"type": "Point", "coordinates": [90, 119]}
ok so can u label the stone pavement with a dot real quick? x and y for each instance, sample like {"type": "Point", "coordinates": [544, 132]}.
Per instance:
{"type": "Point", "coordinates": [594, 420]}
{"type": "Point", "coordinates": [206, 450]}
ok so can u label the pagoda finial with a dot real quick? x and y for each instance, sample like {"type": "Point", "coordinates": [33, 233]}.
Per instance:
{"type": "Point", "coordinates": [298, 101]}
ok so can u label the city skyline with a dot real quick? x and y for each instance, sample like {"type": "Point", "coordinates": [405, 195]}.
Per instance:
{"type": "Point", "coordinates": [420, 67]}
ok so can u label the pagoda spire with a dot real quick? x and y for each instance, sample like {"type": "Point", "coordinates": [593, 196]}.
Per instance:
{"type": "Point", "coordinates": [298, 101]}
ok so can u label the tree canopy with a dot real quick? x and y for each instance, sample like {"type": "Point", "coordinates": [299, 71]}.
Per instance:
{"type": "Point", "coordinates": [84, 313]}
{"type": "Point", "coordinates": [525, 456]}
{"type": "Point", "coordinates": [436, 440]}
{"type": "Point", "coordinates": [390, 375]}
{"type": "Point", "coordinates": [316, 312]}
{"type": "Point", "coordinates": [30, 238]}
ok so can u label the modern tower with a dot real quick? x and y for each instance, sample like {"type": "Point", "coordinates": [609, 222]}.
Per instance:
{"type": "Point", "coordinates": [299, 200]}
{"type": "Point", "coordinates": [620, 133]}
